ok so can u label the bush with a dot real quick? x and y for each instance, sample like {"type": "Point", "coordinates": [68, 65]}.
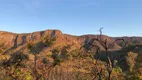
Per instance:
{"type": "Point", "coordinates": [130, 59]}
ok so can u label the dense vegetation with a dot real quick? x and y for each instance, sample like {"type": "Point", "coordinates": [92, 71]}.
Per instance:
{"type": "Point", "coordinates": [61, 63]}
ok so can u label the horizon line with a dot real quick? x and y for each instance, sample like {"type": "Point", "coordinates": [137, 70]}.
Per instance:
{"type": "Point", "coordinates": [64, 33]}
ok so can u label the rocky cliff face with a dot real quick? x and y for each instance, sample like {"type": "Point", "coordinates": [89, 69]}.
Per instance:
{"type": "Point", "coordinates": [15, 40]}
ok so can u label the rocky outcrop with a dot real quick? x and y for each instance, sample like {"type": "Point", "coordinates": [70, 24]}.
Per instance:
{"type": "Point", "coordinates": [13, 39]}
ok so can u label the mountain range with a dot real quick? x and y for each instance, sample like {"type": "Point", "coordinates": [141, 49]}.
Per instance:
{"type": "Point", "coordinates": [16, 42]}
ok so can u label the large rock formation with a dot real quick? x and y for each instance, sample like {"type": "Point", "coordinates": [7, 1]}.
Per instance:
{"type": "Point", "coordinates": [15, 40]}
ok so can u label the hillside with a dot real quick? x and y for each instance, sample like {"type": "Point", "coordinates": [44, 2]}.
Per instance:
{"type": "Point", "coordinates": [10, 40]}
{"type": "Point", "coordinates": [53, 55]}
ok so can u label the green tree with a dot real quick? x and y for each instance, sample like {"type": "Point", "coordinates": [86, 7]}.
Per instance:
{"type": "Point", "coordinates": [13, 65]}
{"type": "Point", "coordinates": [36, 48]}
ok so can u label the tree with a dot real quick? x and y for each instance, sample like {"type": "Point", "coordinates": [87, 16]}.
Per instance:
{"type": "Point", "coordinates": [104, 44]}
{"type": "Point", "coordinates": [47, 41]}
{"type": "Point", "coordinates": [14, 63]}
{"type": "Point", "coordinates": [130, 59]}
{"type": "Point", "coordinates": [36, 48]}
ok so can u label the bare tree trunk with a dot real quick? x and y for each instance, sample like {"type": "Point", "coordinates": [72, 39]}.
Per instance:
{"type": "Point", "coordinates": [35, 67]}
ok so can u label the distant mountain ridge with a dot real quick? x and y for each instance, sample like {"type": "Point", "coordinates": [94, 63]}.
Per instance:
{"type": "Point", "coordinates": [19, 40]}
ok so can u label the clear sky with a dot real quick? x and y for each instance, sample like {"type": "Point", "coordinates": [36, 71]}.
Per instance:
{"type": "Point", "coordinates": [77, 17]}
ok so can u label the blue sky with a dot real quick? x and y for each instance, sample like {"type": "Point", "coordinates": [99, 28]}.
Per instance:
{"type": "Point", "coordinates": [77, 17]}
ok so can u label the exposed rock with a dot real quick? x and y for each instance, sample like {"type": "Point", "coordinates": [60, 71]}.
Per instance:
{"type": "Point", "coordinates": [15, 40]}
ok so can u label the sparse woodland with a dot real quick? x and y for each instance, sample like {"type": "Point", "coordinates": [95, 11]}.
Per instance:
{"type": "Point", "coordinates": [61, 63]}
